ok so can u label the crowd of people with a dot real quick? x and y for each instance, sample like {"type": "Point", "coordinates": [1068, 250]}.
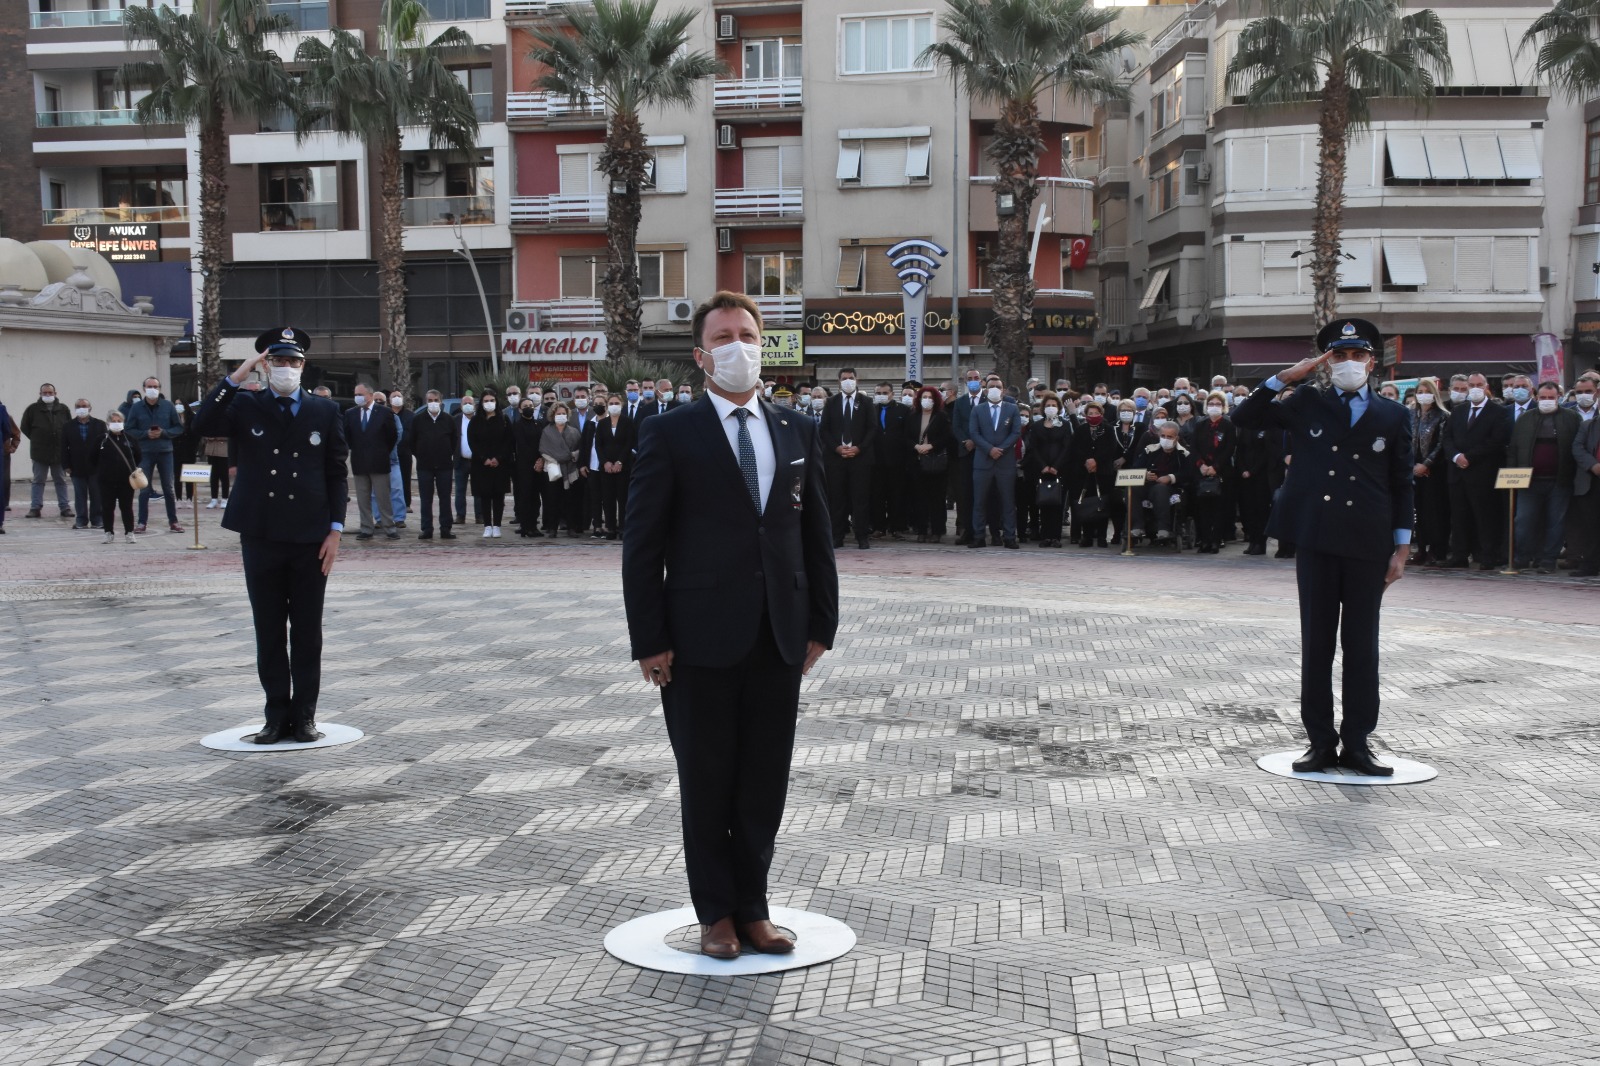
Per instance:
{"type": "Point", "coordinates": [1015, 466]}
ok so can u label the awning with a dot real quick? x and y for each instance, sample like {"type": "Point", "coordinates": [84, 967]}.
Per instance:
{"type": "Point", "coordinates": [1402, 261]}
{"type": "Point", "coordinates": [1152, 290]}
{"type": "Point", "coordinates": [1445, 160]}
{"type": "Point", "coordinates": [1482, 151]}
{"type": "Point", "coordinates": [1521, 155]}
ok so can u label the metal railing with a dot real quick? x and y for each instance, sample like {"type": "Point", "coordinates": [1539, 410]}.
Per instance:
{"type": "Point", "coordinates": [304, 15]}
{"type": "Point", "coordinates": [61, 20]}
{"type": "Point", "coordinates": [1063, 183]}
{"type": "Point", "coordinates": [558, 313]}
{"type": "Point", "coordinates": [557, 209]}
{"type": "Point", "coordinates": [1192, 24]}
{"type": "Point", "coordinates": [447, 210]}
{"type": "Point", "coordinates": [758, 203]}
{"type": "Point", "coordinates": [279, 217]}
{"type": "Point", "coordinates": [781, 308]}
{"type": "Point", "coordinates": [110, 116]}
{"type": "Point", "coordinates": [542, 107]}
{"type": "Point", "coordinates": [755, 93]}
{"type": "Point", "coordinates": [456, 10]}
{"type": "Point", "coordinates": [1083, 294]}
{"type": "Point", "coordinates": [533, 8]}
{"type": "Point", "coordinates": [88, 216]}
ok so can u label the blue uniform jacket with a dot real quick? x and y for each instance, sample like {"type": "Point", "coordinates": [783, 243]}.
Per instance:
{"type": "Point", "coordinates": [982, 432]}
{"type": "Point", "coordinates": [1350, 487]}
{"type": "Point", "coordinates": [292, 484]}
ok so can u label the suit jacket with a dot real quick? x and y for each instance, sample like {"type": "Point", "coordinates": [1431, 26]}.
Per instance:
{"type": "Point", "coordinates": [961, 417]}
{"type": "Point", "coordinates": [435, 442]}
{"type": "Point", "coordinates": [1214, 445]}
{"type": "Point", "coordinates": [861, 429]}
{"type": "Point", "coordinates": [370, 447]}
{"type": "Point", "coordinates": [292, 484]}
{"type": "Point", "coordinates": [983, 432]}
{"type": "Point", "coordinates": [615, 445]}
{"type": "Point", "coordinates": [651, 408]}
{"type": "Point", "coordinates": [80, 456]}
{"type": "Point", "coordinates": [892, 449]}
{"type": "Point", "coordinates": [1525, 434]}
{"type": "Point", "coordinates": [1584, 447]}
{"type": "Point", "coordinates": [1351, 486]}
{"type": "Point", "coordinates": [700, 565]}
{"type": "Point", "coordinates": [1483, 442]}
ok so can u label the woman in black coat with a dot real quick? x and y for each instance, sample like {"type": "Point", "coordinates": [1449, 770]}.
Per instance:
{"type": "Point", "coordinates": [119, 457]}
{"type": "Point", "coordinates": [490, 439]}
{"type": "Point", "coordinates": [1094, 458]}
{"type": "Point", "coordinates": [1213, 440]}
{"type": "Point", "coordinates": [1049, 459]}
{"type": "Point", "coordinates": [1432, 540]}
{"type": "Point", "coordinates": [929, 429]}
{"type": "Point", "coordinates": [528, 470]}
{"type": "Point", "coordinates": [614, 439]}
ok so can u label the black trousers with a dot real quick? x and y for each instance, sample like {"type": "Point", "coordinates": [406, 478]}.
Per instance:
{"type": "Point", "coordinates": [116, 494]}
{"type": "Point", "coordinates": [435, 480]}
{"type": "Point", "coordinates": [1339, 603]}
{"type": "Point", "coordinates": [527, 486]}
{"type": "Point", "coordinates": [963, 465]}
{"type": "Point", "coordinates": [1583, 525]}
{"type": "Point", "coordinates": [889, 489]}
{"type": "Point", "coordinates": [928, 510]}
{"type": "Point", "coordinates": [613, 500]}
{"type": "Point", "coordinates": [732, 733]}
{"type": "Point", "coordinates": [1477, 518]}
{"type": "Point", "coordinates": [849, 496]}
{"type": "Point", "coordinates": [1255, 504]}
{"type": "Point", "coordinates": [286, 586]}
{"type": "Point", "coordinates": [404, 455]}
{"type": "Point", "coordinates": [1433, 516]}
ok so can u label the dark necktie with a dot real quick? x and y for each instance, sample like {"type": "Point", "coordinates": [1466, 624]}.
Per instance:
{"type": "Point", "coordinates": [747, 458]}
{"type": "Point", "coordinates": [286, 406]}
{"type": "Point", "coordinates": [1349, 399]}
{"type": "Point", "coordinates": [1472, 416]}
{"type": "Point", "coordinates": [365, 412]}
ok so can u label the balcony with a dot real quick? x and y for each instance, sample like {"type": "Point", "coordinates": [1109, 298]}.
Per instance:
{"type": "Point", "coordinates": [781, 310]}
{"type": "Point", "coordinates": [1085, 167]}
{"type": "Point", "coordinates": [111, 116]}
{"type": "Point", "coordinates": [65, 20]}
{"type": "Point", "coordinates": [755, 94]}
{"type": "Point", "coordinates": [566, 314]}
{"type": "Point", "coordinates": [303, 15]}
{"type": "Point", "coordinates": [456, 10]}
{"type": "Point", "coordinates": [1069, 202]}
{"type": "Point", "coordinates": [540, 108]}
{"type": "Point", "coordinates": [447, 211]}
{"type": "Point", "coordinates": [282, 217]}
{"type": "Point", "coordinates": [757, 204]}
{"type": "Point", "coordinates": [1077, 294]}
{"type": "Point", "coordinates": [88, 216]}
{"type": "Point", "coordinates": [1111, 176]}
{"type": "Point", "coordinates": [534, 9]}
{"type": "Point", "coordinates": [558, 209]}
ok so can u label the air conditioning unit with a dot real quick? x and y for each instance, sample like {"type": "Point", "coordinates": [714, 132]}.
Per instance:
{"type": "Point", "coordinates": [1548, 276]}
{"type": "Point", "coordinates": [521, 321]}
{"type": "Point", "coordinates": [724, 239]}
{"type": "Point", "coordinates": [726, 137]}
{"type": "Point", "coordinates": [680, 310]}
{"type": "Point", "coordinates": [727, 28]}
{"type": "Point", "coordinates": [1202, 173]}
{"type": "Point", "coordinates": [422, 164]}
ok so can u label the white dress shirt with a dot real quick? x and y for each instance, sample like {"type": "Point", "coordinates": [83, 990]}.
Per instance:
{"type": "Point", "coordinates": [466, 449]}
{"type": "Point", "coordinates": [760, 438]}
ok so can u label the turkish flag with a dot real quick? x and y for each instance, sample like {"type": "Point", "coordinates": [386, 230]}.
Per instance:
{"type": "Point", "coordinates": [1078, 257]}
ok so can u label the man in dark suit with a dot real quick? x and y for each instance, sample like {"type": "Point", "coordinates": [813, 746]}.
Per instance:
{"type": "Point", "coordinates": [370, 428]}
{"type": "Point", "coordinates": [849, 437]}
{"type": "Point", "coordinates": [80, 459]}
{"type": "Point", "coordinates": [891, 455]}
{"type": "Point", "coordinates": [996, 425]}
{"type": "Point", "coordinates": [1351, 529]}
{"type": "Point", "coordinates": [731, 594]}
{"type": "Point", "coordinates": [1475, 439]}
{"type": "Point", "coordinates": [288, 506]}
{"type": "Point", "coordinates": [433, 435]}
{"type": "Point", "coordinates": [961, 425]}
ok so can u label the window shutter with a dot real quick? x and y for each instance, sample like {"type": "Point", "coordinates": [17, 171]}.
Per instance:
{"type": "Point", "coordinates": [881, 276]}
{"type": "Point", "coordinates": [917, 159]}
{"type": "Point", "coordinates": [791, 171]}
{"type": "Point", "coordinates": [577, 277]}
{"type": "Point", "coordinates": [1475, 264]}
{"type": "Point", "coordinates": [671, 169]}
{"type": "Point", "coordinates": [1445, 161]}
{"type": "Point", "coordinates": [851, 258]}
{"type": "Point", "coordinates": [672, 274]}
{"type": "Point", "coordinates": [761, 168]}
{"type": "Point", "coordinates": [1247, 164]}
{"type": "Point", "coordinates": [1402, 261]}
{"type": "Point", "coordinates": [1482, 151]}
{"type": "Point", "coordinates": [1244, 268]}
{"type": "Point", "coordinates": [1152, 290]}
{"type": "Point", "coordinates": [883, 162]}
{"type": "Point", "coordinates": [1521, 155]}
{"type": "Point", "coordinates": [1511, 258]}
{"type": "Point", "coordinates": [1586, 283]}
{"type": "Point", "coordinates": [1359, 163]}
{"type": "Point", "coordinates": [849, 161]}
{"type": "Point", "coordinates": [1283, 163]}
{"type": "Point", "coordinates": [1491, 52]}
{"type": "Point", "coordinates": [1280, 274]}
{"type": "Point", "coordinates": [1439, 260]}
{"type": "Point", "coordinates": [578, 174]}
{"type": "Point", "coordinates": [1356, 273]}
{"type": "Point", "coordinates": [1407, 158]}
{"type": "Point", "coordinates": [1114, 298]}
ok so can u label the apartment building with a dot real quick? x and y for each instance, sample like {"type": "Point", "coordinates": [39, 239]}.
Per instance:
{"type": "Point", "coordinates": [824, 144]}
{"type": "Point", "coordinates": [1457, 230]}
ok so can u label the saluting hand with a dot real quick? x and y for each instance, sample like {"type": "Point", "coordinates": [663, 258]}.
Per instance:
{"type": "Point", "coordinates": [1302, 368]}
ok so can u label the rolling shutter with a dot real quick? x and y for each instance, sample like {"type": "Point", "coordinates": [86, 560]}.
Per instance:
{"type": "Point", "coordinates": [1491, 52]}
{"type": "Point", "coordinates": [849, 161]}
{"type": "Point", "coordinates": [1511, 261]}
{"type": "Point", "coordinates": [881, 276]}
{"type": "Point", "coordinates": [1283, 162]}
{"type": "Point", "coordinates": [578, 174]}
{"type": "Point", "coordinates": [671, 170]}
{"type": "Point", "coordinates": [917, 159]}
{"type": "Point", "coordinates": [761, 167]}
{"type": "Point", "coordinates": [1244, 268]}
{"type": "Point", "coordinates": [1474, 263]}
{"type": "Point", "coordinates": [791, 171]}
{"type": "Point", "coordinates": [883, 162]}
{"type": "Point", "coordinates": [1280, 272]}
{"type": "Point", "coordinates": [1439, 262]}
{"type": "Point", "coordinates": [1402, 261]}
{"type": "Point", "coordinates": [1247, 164]}
{"type": "Point", "coordinates": [577, 277]}
{"type": "Point", "coordinates": [672, 275]}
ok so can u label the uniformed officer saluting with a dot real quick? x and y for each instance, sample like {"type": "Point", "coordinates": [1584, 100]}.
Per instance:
{"type": "Point", "coordinates": [1347, 505]}
{"type": "Point", "coordinates": [288, 507]}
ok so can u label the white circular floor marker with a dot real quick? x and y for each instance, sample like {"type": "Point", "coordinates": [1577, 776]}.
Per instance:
{"type": "Point", "coordinates": [1406, 771]}
{"type": "Point", "coordinates": [648, 942]}
{"type": "Point", "coordinates": [238, 739]}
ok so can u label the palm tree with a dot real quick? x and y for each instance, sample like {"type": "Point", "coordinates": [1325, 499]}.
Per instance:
{"type": "Point", "coordinates": [209, 66]}
{"type": "Point", "coordinates": [1342, 54]}
{"type": "Point", "coordinates": [1568, 39]}
{"type": "Point", "coordinates": [621, 55]}
{"type": "Point", "coordinates": [371, 97]}
{"type": "Point", "coordinates": [1009, 52]}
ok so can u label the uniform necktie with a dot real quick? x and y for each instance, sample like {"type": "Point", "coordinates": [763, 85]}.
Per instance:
{"type": "Point", "coordinates": [286, 405]}
{"type": "Point", "coordinates": [1472, 416]}
{"type": "Point", "coordinates": [1349, 399]}
{"type": "Point", "coordinates": [747, 459]}
{"type": "Point", "coordinates": [364, 413]}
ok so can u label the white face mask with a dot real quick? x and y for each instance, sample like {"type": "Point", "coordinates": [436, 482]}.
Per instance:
{"type": "Point", "coordinates": [1167, 444]}
{"type": "Point", "coordinates": [397, 401]}
{"type": "Point", "coordinates": [114, 427]}
{"type": "Point", "coordinates": [434, 407]}
{"type": "Point", "coordinates": [1585, 399]}
{"type": "Point", "coordinates": [1547, 407]}
{"type": "Point", "coordinates": [736, 366]}
{"type": "Point", "coordinates": [361, 401]}
{"type": "Point", "coordinates": [47, 397]}
{"type": "Point", "coordinates": [613, 408]}
{"type": "Point", "coordinates": [1214, 410]}
{"type": "Point", "coordinates": [927, 403]}
{"type": "Point", "coordinates": [1425, 399]}
{"type": "Point", "coordinates": [805, 401]}
{"type": "Point", "coordinates": [907, 400]}
{"type": "Point", "coordinates": [1184, 408]}
{"type": "Point", "coordinates": [80, 412]}
{"type": "Point", "coordinates": [767, 392]}
{"type": "Point", "coordinates": [1457, 396]}
{"type": "Point", "coordinates": [513, 399]}
{"type": "Point", "coordinates": [467, 408]}
{"type": "Point", "coordinates": [685, 397]}
{"type": "Point", "coordinates": [581, 404]}
{"type": "Point", "coordinates": [1475, 395]}
{"type": "Point", "coordinates": [152, 394]}
{"type": "Point", "coordinates": [284, 379]}
{"type": "Point", "coordinates": [488, 405]}
{"type": "Point", "coordinates": [561, 420]}
{"type": "Point", "coordinates": [993, 394]}
{"type": "Point", "coordinates": [1125, 416]}
{"type": "Point", "coordinates": [880, 399]}
{"type": "Point", "coordinates": [1052, 412]}
{"type": "Point", "coordinates": [847, 386]}
{"type": "Point", "coordinates": [1349, 375]}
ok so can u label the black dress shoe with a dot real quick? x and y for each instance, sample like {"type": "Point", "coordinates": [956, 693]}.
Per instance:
{"type": "Point", "coordinates": [962, 539]}
{"type": "Point", "coordinates": [863, 544]}
{"type": "Point", "coordinates": [1317, 759]}
{"type": "Point", "coordinates": [975, 543]}
{"type": "Point", "coordinates": [838, 542]}
{"type": "Point", "coordinates": [447, 536]}
{"type": "Point", "coordinates": [271, 733]}
{"type": "Point", "coordinates": [1256, 548]}
{"type": "Point", "coordinates": [1012, 543]}
{"type": "Point", "coordinates": [1283, 553]}
{"type": "Point", "coordinates": [1358, 757]}
{"type": "Point", "coordinates": [363, 536]}
{"type": "Point", "coordinates": [424, 536]}
{"type": "Point", "coordinates": [306, 732]}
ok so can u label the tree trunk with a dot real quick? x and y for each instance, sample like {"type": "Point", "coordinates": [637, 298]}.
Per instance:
{"type": "Point", "coordinates": [623, 162]}
{"type": "Point", "coordinates": [392, 268]}
{"type": "Point", "coordinates": [1015, 151]}
{"type": "Point", "coordinates": [1333, 124]}
{"type": "Point", "coordinates": [213, 236]}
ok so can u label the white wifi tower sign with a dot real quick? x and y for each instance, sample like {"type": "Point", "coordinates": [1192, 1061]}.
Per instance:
{"type": "Point", "coordinates": [915, 262]}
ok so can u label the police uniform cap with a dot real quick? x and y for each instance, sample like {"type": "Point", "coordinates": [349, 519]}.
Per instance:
{"type": "Point", "coordinates": [284, 340]}
{"type": "Point", "coordinates": [1344, 333]}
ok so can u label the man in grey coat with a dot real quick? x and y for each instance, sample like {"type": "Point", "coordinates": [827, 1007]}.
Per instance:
{"type": "Point", "coordinates": [153, 422]}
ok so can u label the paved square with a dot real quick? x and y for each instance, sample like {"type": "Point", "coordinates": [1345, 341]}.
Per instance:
{"type": "Point", "coordinates": [1025, 779]}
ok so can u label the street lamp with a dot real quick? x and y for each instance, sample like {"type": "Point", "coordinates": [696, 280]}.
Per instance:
{"type": "Point", "coordinates": [464, 252]}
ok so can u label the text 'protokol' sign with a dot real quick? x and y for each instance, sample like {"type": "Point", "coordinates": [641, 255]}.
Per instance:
{"type": "Point", "coordinates": [121, 242]}
{"type": "Point", "coordinates": [553, 347]}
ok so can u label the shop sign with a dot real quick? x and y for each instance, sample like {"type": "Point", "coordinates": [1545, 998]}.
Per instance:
{"type": "Point", "coordinates": [120, 242]}
{"type": "Point", "coordinates": [871, 322]}
{"type": "Point", "coordinates": [783, 347]}
{"type": "Point", "coordinates": [553, 346]}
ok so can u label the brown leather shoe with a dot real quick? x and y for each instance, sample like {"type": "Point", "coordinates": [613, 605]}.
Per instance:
{"type": "Point", "coordinates": [766, 938]}
{"type": "Point", "coordinates": [719, 940]}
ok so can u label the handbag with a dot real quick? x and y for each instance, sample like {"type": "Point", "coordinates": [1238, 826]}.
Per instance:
{"type": "Point", "coordinates": [1050, 492]}
{"type": "Point", "coordinates": [1088, 507]}
{"type": "Point", "coordinates": [935, 462]}
{"type": "Point", "coordinates": [1209, 488]}
{"type": "Point", "coordinates": [136, 477]}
